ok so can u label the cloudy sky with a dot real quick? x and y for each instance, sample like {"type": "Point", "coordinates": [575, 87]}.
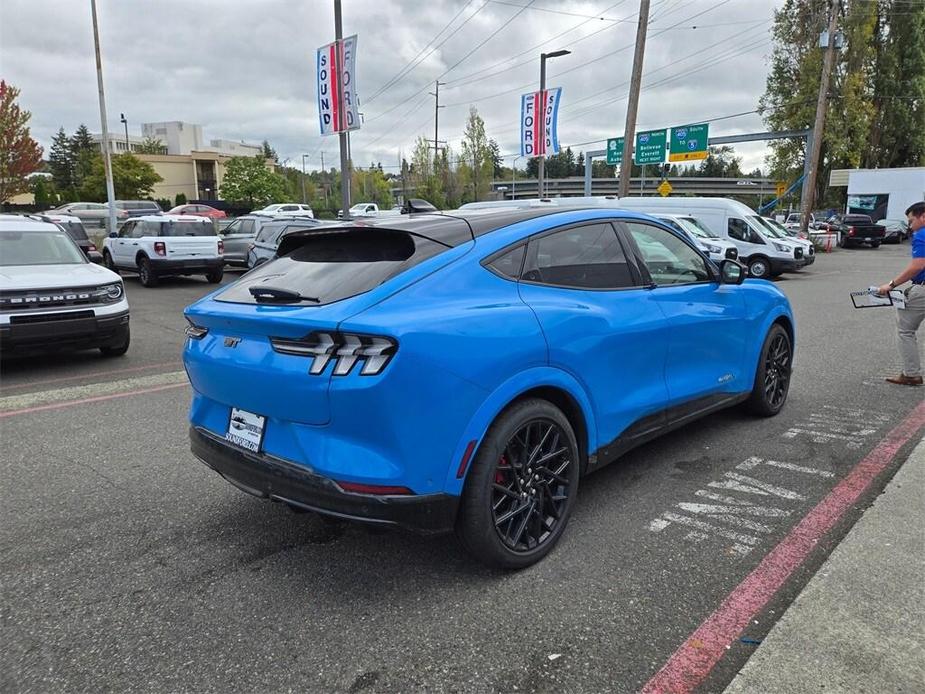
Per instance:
{"type": "Point", "coordinates": [245, 70]}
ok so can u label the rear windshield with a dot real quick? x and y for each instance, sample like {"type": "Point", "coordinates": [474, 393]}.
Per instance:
{"type": "Point", "coordinates": [75, 229]}
{"type": "Point", "coordinates": [330, 266]}
{"type": "Point", "coordinates": [38, 248]}
{"type": "Point", "coordinates": [137, 205]}
{"type": "Point", "coordinates": [857, 219]}
{"type": "Point", "coordinates": [175, 228]}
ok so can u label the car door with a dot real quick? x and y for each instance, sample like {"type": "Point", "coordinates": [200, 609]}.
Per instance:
{"type": "Point", "coordinates": [746, 240]}
{"type": "Point", "coordinates": [706, 319]}
{"type": "Point", "coordinates": [601, 325]}
{"type": "Point", "coordinates": [122, 251]}
{"type": "Point", "coordinates": [237, 239]}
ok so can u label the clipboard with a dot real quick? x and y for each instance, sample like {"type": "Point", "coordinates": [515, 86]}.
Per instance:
{"type": "Point", "coordinates": [868, 298]}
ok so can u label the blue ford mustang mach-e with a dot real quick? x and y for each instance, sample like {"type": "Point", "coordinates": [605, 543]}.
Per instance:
{"type": "Point", "coordinates": [463, 371]}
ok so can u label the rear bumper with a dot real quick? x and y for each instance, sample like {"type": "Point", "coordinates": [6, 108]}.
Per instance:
{"type": "Point", "coordinates": [193, 266]}
{"type": "Point", "coordinates": [64, 331]}
{"type": "Point", "coordinates": [276, 479]}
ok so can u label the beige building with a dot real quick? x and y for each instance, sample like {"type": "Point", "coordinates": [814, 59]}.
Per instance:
{"type": "Point", "coordinates": [198, 175]}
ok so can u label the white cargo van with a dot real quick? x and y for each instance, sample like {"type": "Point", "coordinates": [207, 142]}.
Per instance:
{"type": "Point", "coordinates": [729, 219]}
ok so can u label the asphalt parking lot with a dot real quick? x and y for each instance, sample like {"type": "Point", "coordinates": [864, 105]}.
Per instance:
{"type": "Point", "coordinates": [128, 566]}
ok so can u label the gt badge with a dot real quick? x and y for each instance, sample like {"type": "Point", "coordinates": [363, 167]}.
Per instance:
{"type": "Point", "coordinates": [232, 342]}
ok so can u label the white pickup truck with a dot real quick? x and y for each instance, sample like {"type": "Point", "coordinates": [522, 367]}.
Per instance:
{"type": "Point", "coordinates": [157, 246]}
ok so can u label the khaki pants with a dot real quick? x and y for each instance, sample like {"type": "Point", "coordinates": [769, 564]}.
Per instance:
{"type": "Point", "coordinates": [908, 321]}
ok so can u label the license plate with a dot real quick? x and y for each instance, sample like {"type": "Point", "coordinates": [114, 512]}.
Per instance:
{"type": "Point", "coordinates": [245, 429]}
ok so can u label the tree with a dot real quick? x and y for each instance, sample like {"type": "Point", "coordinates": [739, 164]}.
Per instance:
{"type": "Point", "coordinates": [876, 107]}
{"type": "Point", "coordinates": [248, 180]}
{"type": "Point", "coordinates": [43, 191]}
{"type": "Point", "coordinates": [476, 154]}
{"type": "Point", "coordinates": [151, 145]}
{"type": "Point", "coordinates": [269, 152]}
{"type": "Point", "coordinates": [84, 152]}
{"type": "Point", "coordinates": [721, 162]}
{"type": "Point", "coordinates": [20, 155]}
{"type": "Point", "coordinates": [497, 163]}
{"type": "Point", "coordinates": [179, 199]}
{"type": "Point", "coordinates": [82, 141]}
{"type": "Point", "coordinates": [132, 178]}
{"type": "Point", "coordinates": [61, 161]}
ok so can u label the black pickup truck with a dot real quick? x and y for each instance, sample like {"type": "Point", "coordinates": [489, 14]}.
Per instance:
{"type": "Point", "coordinates": [856, 230]}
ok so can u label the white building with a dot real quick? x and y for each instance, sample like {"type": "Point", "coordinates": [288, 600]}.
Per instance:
{"type": "Point", "coordinates": [178, 138]}
{"type": "Point", "coordinates": [881, 193]}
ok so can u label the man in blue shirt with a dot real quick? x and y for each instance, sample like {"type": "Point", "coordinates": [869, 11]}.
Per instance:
{"type": "Point", "coordinates": [909, 319]}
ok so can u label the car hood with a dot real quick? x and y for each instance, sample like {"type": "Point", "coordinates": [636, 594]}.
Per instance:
{"type": "Point", "coordinates": [53, 276]}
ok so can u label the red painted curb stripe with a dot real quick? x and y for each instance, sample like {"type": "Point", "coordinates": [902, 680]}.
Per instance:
{"type": "Point", "coordinates": [696, 657]}
{"type": "Point", "coordinates": [84, 401]}
{"type": "Point", "coordinates": [89, 375]}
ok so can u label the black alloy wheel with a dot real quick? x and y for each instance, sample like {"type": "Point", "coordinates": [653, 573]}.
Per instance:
{"type": "Point", "coordinates": [108, 263]}
{"type": "Point", "coordinates": [521, 488]}
{"type": "Point", "coordinates": [772, 380]}
{"type": "Point", "coordinates": [531, 485]}
{"type": "Point", "coordinates": [145, 274]}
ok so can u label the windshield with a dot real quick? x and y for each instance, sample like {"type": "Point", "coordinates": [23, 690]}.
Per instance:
{"type": "Point", "coordinates": [702, 230]}
{"type": "Point", "coordinates": [764, 227]}
{"type": "Point", "coordinates": [38, 248]}
{"type": "Point", "coordinates": [191, 228]}
{"type": "Point", "coordinates": [693, 229]}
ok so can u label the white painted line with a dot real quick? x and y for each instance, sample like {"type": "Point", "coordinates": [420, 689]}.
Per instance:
{"type": "Point", "coordinates": [749, 485]}
{"type": "Point", "coordinates": [792, 433]}
{"type": "Point", "coordinates": [753, 462]}
{"type": "Point", "coordinates": [27, 400]}
{"type": "Point", "coordinates": [709, 528]}
{"type": "Point", "coordinates": [750, 509]}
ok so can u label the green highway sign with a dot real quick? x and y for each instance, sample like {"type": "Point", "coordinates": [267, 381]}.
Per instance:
{"type": "Point", "coordinates": [689, 142]}
{"type": "Point", "coordinates": [615, 150]}
{"type": "Point", "coordinates": [650, 147]}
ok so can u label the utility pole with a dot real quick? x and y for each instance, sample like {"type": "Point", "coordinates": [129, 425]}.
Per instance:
{"type": "Point", "coordinates": [814, 145]}
{"type": "Point", "coordinates": [632, 106]}
{"type": "Point", "coordinates": [342, 126]}
{"type": "Point", "coordinates": [125, 123]}
{"type": "Point", "coordinates": [107, 160]}
{"type": "Point", "coordinates": [304, 200]}
{"type": "Point", "coordinates": [437, 107]}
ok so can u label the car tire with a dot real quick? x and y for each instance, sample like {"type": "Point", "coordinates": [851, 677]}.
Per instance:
{"type": "Point", "coordinates": [759, 267]}
{"type": "Point", "coordinates": [511, 513]}
{"type": "Point", "coordinates": [108, 262]}
{"type": "Point", "coordinates": [146, 274]}
{"type": "Point", "coordinates": [772, 376]}
{"type": "Point", "coordinates": [120, 347]}
{"type": "Point", "coordinates": [842, 241]}
{"type": "Point", "coordinates": [875, 244]}
{"type": "Point", "coordinates": [215, 276]}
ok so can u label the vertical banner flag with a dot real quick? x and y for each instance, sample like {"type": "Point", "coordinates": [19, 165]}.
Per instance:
{"type": "Point", "coordinates": [330, 117]}
{"type": "Point", "coordinates": [539, 123]}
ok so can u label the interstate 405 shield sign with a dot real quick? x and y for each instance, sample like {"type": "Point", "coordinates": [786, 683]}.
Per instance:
{"type": "Point", "coordinates": [331, 117]}
{"type": "Point", "coordinates": [539, 130]}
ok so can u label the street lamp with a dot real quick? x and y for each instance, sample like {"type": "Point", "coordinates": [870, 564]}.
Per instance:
{"type": "Point", "coordinates": [303, 179]}
{"type": "Point", "coordinates": [514, 177]}
{"type": "Point", "coordinates": [125, 123]}
{"type": "Point", "coordinates": [541, 169]}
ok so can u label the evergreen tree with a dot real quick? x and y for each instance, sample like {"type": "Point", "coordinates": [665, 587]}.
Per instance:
{"type": "Point", "coordinates": [269, 152]}
{"type": "Point", "coordinates": [61, 161]}
{"type": "Point", "coordinates": [84, 152]}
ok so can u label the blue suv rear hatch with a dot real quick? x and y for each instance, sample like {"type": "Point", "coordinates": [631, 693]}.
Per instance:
{"type": "Point", "coordinates": [254, 345]}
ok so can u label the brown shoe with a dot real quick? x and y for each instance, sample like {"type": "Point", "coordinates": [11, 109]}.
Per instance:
{"type": "Point", "coordinates": [904, 380]}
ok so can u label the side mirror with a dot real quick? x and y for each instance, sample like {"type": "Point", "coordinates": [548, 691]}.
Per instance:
{"type": "Point", "coordinates": [113, 234]}
{"type": "Point", "coordinates": [732, 272]}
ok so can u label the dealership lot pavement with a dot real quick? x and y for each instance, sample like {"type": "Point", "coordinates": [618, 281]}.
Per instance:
{"type": "Point", "coordinates": [127, 565]}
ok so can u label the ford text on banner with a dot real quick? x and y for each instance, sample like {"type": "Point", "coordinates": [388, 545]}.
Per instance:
{"type": "Point", "coordinates": [539, 134]}
{"type": "Point", "coordinates": [330, 117]}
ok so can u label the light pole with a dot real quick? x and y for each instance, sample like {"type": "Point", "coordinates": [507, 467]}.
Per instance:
{"type": "Point", "coordinates": [514, 176]}
{"type": "Point", "coordinates": [303, 179]}
{"type": "Point", "coordinates": [125, 123]}
{"type": "Point", "coordinates": [541, 168]}
{"type": "Point", "coordinates": [107, 159]}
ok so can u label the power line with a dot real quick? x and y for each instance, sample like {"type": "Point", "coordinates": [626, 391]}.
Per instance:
{"type": "Point", "coordinates": [562, 12]}
{"type": "Point", "coordinates": [418, 59]}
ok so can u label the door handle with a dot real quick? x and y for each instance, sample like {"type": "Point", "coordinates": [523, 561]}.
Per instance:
{"type": "Point", "coordinates": [134, 244]}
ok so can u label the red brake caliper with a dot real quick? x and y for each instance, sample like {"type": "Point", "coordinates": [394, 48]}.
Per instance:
{"type": "Point", "coordinates": [499, 476]}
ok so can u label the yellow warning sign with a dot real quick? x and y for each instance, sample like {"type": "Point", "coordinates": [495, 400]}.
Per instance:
{"type": "Point", "coordinates": [664, 189]}
{"type": "Point", "coordinates": [781, 188]}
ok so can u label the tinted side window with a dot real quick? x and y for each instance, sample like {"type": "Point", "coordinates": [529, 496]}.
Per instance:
{"type": "Point", "coordinates": [738, 229]}
{"type": "Point", "coordinates": [668, 259]}
{"type": "Point", "coordinates": [150, 229]}
{"type": "Point", "coordinates": [247, 227]}
{"type": "Point", "coordinates": [234, 228]}
{"type": "Point", "coordinates": [126, 230]}
{"type": "Point", "coordinates": [267, 232]}
{"type": "Point", "coordinates": [583, 257]}
{"type": "Point", "coordinates": [509, 264]}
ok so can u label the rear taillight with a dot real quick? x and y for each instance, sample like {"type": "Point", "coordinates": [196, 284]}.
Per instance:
{"type": "Point", "coordinates": [195, 332]}
{"type": "Point", "coordinates": [345, 349]}
{"type": "Point", "coordinates": [850, 231]}
{"type": "Point", "coordinates": [91, 247]}
{"type": "Point", "coordinates": [221, 247]}
{"type": "Point", "coordinates": [160, 248]}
